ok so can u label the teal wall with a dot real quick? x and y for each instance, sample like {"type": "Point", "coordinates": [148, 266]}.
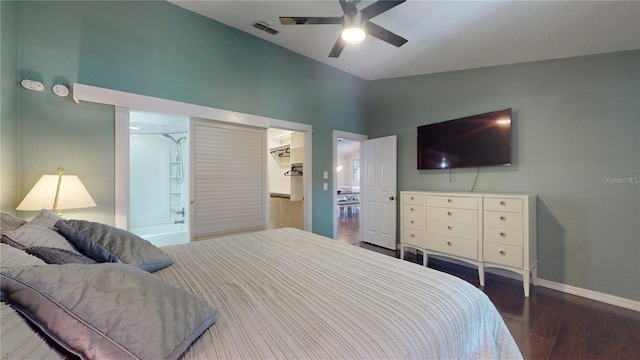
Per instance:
{"type": "Point", "coordinates": [576, 121]}
{"type": "Point", "coordinates": [9, 106]}
{"type": "Point", "coordinates": [161, 50]}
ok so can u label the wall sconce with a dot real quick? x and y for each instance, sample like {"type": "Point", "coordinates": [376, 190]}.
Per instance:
{"type": "Point", "coordinates": [57, 192]}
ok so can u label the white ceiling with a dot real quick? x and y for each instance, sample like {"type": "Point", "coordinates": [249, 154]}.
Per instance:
{"type": "Point", "coordinates": [347, 147]}
{"type": "Point", "coordinates": [443, 35]}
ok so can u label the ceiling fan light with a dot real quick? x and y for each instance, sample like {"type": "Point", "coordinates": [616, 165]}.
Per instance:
{"type": "Point", "coordinates": [353, 35]}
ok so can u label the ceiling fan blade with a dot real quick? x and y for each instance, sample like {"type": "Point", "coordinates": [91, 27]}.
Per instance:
{"type": "Point", "coordinates": [384, 34]}
{"type": "Point", "coordinates": [349, 8]}
{"type": "Point", "coordinates": [337, 48]}
{"type": "Point", "coordinates": [293, 20]}
{"type": "Point", "coordinates": [378, 8]}
{"type": "Point", "coordinates": [345, 6]}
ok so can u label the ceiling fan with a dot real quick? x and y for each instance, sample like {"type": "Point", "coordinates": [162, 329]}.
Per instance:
{"type": "Point", "coordinates": [355, 24]}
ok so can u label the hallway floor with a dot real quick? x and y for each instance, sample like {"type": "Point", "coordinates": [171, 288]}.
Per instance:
{"type": "Point", "coordinates": [349, 226]}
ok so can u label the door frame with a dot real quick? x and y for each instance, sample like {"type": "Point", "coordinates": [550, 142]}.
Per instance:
{"type": "Point", "coordinates": [123, 101]}
{"type": "Point", "coordinates": [334, 185]}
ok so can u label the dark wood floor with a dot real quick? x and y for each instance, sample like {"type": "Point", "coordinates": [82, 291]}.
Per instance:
{"type": "Point", "coordinates": [549, 324]}
{"type": "Point", "coordinates": [349, 226]}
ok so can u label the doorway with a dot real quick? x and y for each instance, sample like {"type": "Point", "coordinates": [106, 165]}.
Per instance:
{"type": "Point", "coordinates": [285, 166]}
{"type": "Point", "coordinates": [159, 177]}
{"type": "Point", "coordinates": [348, 190]}
{"type": "Point", "coordinates": [347, 182]}
{"type": "Point", "coordinates": [124, 102]}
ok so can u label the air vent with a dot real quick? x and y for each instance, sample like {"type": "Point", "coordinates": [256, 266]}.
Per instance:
{"type": "Point", "coordinates": [264, 26]}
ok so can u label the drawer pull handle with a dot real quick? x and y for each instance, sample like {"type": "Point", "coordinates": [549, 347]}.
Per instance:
{"type": "Point", "coordinates": [449, 227]}
{"type": "Point", "coordinates": [449, 201]}
{"type": "Point", "coordinates": [503, 203]}
{"type": "Point", "coordinates": [413, 235]}
{"type": "Point", "coordinates": [449, 243]}
{"type": "Point", "coordinates": [449, 213]}
{"type": "Point", "coordinates": [412, 198]}
{"type": "Point", "coordinates": [412, 221]}
{"type": "Point", "coordinates": [503, 218]}
{"type": "Point", "coordinates": [502, 252]}
{"type": "Point", "coordinates": [503, 234]}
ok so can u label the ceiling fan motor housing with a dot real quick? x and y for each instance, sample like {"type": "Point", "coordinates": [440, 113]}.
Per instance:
{"type": "Point", "coordinates": [354, 19]}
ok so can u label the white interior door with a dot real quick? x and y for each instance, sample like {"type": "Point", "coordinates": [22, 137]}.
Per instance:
{"type": "Point", "coordinates": [379, 191]}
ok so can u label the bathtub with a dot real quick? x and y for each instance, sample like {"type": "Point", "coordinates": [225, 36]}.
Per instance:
{"type": "Point", "coordinates": [163, 234]}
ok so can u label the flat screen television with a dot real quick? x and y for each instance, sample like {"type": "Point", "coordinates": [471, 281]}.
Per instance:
{"type": "Point", "coordinates": [473, 141]}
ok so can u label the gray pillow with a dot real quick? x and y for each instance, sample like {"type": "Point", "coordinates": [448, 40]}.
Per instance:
{"type": "Point", "coordinates": [107, 311]}
{"type": "Point", "coordinates": [104, 243]}
{"type": "Point", "coordinates": [9, 222]}
{"type": "Point", "coordinates": [58, 256]}
{"type": "Point", "coordinates": [13, 257]}
{"type": "Point", "coordinates": [46, 218]}
{"type": "Point", "coordinates": [34, 234]}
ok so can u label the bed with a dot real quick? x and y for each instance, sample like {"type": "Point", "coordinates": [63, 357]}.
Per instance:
{"type": "Point", "coordinates": [291, 294]}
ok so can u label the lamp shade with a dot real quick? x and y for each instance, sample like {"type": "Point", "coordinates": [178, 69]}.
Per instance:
{"type": "Point", "coordinates": [57, 192]}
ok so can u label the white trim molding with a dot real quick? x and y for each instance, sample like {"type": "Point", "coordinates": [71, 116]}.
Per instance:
{"type": "Point", "coordinates": [590, 294]}
{"type": "Point", "coordinates": [99, 95]}
{"type": "Point", "coordinates": [568, 289]}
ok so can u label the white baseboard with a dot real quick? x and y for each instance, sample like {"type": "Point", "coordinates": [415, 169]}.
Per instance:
{"type": "Point", "coordinates": [573, 290]}
{"type": "Point", "coordinates": [590, 294]}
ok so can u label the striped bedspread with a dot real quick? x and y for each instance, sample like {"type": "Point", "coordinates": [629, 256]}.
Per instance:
{"type": "Point", "coordinates": [286, 293]}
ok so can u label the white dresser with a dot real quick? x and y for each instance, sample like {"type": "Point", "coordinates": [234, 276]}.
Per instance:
{"type": "Point", "coordinates": [485, 230]}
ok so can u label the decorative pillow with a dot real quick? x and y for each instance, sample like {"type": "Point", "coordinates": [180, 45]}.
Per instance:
{"type": "Point", "coordinates": [34, 234]}
{"type": "Point", "coordinates": [14, 257]}
{"type": "Point", "coordinates": [104, 243]}
{"type": "Point", "coordinates": [107, 311]}
{"type": "Point", "coordinates": [58, 256]}
{"type": "Point", "coordinates": [9, 222]}
{"type": "Point", "coordinates": [46, 218]}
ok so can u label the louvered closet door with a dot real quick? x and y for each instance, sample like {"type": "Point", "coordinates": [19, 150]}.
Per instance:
{"type": "Point", "coordinates": [229, 179]}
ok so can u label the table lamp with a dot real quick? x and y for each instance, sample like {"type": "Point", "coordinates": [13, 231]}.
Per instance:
{"type": "Point", "coordinates": [57, 192]}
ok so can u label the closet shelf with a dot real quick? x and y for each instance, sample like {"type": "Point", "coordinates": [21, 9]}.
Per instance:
{"type": "Point", "coordinates": [284, 138]}
{"type": "Point", "coordinates": [280, 148]}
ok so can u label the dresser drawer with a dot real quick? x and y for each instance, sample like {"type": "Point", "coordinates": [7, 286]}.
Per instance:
{"type": "Point", "coordinates": [502, 254]}
{"type": "Point", "coordinates": [461, 223]}
{"type": "Point", "coordinates": [453, 201]}
{"type": "Point", "coordinates": [410, 198]}
{"type": "Point", "coordinates": [414, 237]}
{"type": "Point", "coordinates": [503, 227]}
{"type": "Point", "coordinates": [465, 216]}
{"type": "Point", "coordinates": [503, 204]}
{"type": "Point", "coordinates": [452, 245]}
{"type": "Point", "coordinates": [413, 216]}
